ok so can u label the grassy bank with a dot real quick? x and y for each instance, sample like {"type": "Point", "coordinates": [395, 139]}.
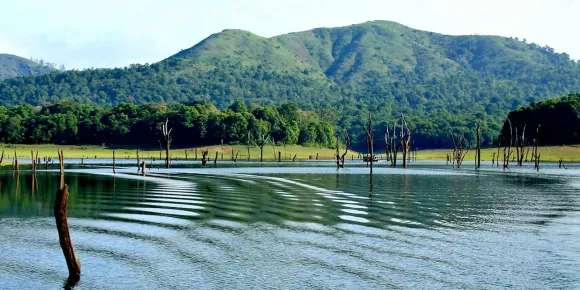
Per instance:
{"type": "Point", "coordinates": [547, 153]}
{"type": "Point", "coordinates": [287, 153]}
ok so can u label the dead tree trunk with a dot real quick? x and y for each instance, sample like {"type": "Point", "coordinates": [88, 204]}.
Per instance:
{"type": "Point", "coordinates": [387, 145]}
{"type": "Point", "coordinates": [478, 146]}
{"type": "Point", "coordinates": [405, 140]}
{"type": "Point", "coordinates": [61, 161]}
{"type": "Point", "coordinates": [261, 143]}
{"type": "Point", "coordinates": [394, 146]}
{"type": "Point", "coordinates": [60, 216]}
{"type": "Point", "coordinates": [521, 146]}
{"type": "Point", "coordinates": [16, 167]}
{"type": "Point", "coordinates": [249, 144]}
{"type": "Point", "coordinates": [167, 137]}
{"type": "Point", "coordinates": [459, 149]}
{"type": "Point", "coordinates": [337, 154]}
{"type": "Point", "coordinates": [370, 138]}
{"type": "Point", "coordinates": [346, 147]}
{"type": "Point", "coordinates": [507, 154]}
{"type": "Point", "coordinates": [204, 157]}
{"type": "Point", "coordinates": [498, 146]}
{"type": "Point", "coordinates": [535, 153]}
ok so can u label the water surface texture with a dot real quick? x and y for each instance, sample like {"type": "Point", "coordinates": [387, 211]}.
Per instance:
{"type": "Point", "coordinates": [301, 227]}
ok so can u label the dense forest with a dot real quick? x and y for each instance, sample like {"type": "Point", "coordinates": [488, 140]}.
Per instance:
{"type": "Point", "coordinates": [194, 124]}
{"type": "Point", "coordinates": [559, 121]}
{"type": "Point", "coordinates": [442, 83]}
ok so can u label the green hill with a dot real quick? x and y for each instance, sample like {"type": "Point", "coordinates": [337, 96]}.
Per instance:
{"type": "Point", "coordinates": [15, 66]}
{"type": "Point", "coordinates": [441, 82]}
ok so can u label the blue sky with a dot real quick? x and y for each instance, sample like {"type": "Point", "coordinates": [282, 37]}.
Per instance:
{"type": "Point", "coordinates": [105, 33]}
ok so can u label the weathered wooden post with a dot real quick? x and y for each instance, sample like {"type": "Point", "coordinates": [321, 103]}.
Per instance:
{"type": "Point", "coordinates": [114, 162]}
{"type": "Point", "coordinates": [216, 157]}
{"type": "Point", "coordinates": [143, 167]}
{"type": "Point", "coordinates": [279, 156]}
{"type": "Point", "coordinates": [138, 160]}
{"type": "Point", "coordinates": [186, 154]}
{"type": "Point", "coordinates": [294, 158]}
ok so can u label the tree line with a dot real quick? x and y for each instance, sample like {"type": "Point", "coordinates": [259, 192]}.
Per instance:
{"type": "Point", "coordinates": [194, 124]}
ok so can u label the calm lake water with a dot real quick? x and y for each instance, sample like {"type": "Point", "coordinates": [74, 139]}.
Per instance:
{"type": "Point", "coordinates": [296, 226]}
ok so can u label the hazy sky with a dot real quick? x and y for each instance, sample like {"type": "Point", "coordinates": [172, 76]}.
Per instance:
{"type": "Point", "coordinates": [110, 33]}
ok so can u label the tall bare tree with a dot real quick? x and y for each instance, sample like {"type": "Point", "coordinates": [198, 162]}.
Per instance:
{"type": "Point", "coordinates": [405, 140]}
{"type": "Point", "coordinates": [370, 138]}
{"type": "Point", "coordinates": [168, 139]}
{"type": "Point", "coordinates": [261, 142]}
{"type": "Point", "coordinates": [460, 149]}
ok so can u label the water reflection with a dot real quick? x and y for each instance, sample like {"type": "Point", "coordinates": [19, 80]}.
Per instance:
{"type": "Point", "coordinates": [293, 230]}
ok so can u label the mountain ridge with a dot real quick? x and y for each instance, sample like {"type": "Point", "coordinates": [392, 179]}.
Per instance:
{"type": "Point", "coordinates": [16, 66]}
{"type": "Point", "coordinates": [443, 82]}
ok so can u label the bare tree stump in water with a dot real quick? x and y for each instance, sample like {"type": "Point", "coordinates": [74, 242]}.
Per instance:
{"type": "Point", "coordinates": [204, 154]}
{"type": "Point", "coordinates": [143, 167]}
{"type": "Point", "coordinates": [16, 167]}
{"type": "Point", "coordinates": [60, 216]}
{"type": "Point", "coordinates": [216, 157]}
{"type": "Point", "coordinates": [114, 162]}
{"type": "Point", "coordinates": [294, 158]}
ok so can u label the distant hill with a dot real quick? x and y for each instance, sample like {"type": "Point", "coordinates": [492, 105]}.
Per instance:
{"type": "Point", "coordinates": [441, 82]}
{"type": "Point", "coordinates": [15, 66]}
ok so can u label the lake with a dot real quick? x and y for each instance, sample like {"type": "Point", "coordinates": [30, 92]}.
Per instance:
{"type": "Point", "coordinates": [301, 225]}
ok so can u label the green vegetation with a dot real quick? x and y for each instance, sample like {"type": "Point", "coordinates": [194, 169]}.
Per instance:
{"type": "Point", "coordinates": [441, 83]}
{"type": "Point", "coordinates": [559, 121]}
{"type": "Point", "coordinates": [92, 151]}
{"type": "Point", "coordinates": [548, 153]}
{"type": "Point", "coordinates": [197, 124]}
{"type": "Point", "coordinates": [14, 66]}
